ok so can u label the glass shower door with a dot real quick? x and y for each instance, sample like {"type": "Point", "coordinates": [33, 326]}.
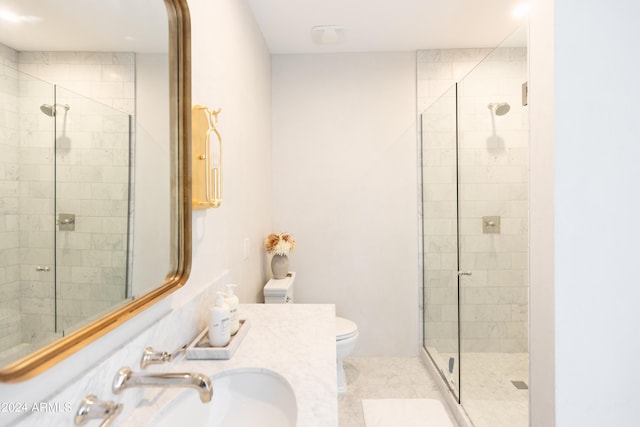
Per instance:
{"type": "Point", "coordinates": [439, 230]}
{"type": "Point", "coordinates": [493, 239]}
{"type": "Point", "coordinates": [92, 208]}
{"type": "Point", "coordinates": [475, 237]}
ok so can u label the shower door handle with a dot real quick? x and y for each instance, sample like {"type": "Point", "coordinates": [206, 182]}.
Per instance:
{"type": "Point", "coordinates": [464, 273]}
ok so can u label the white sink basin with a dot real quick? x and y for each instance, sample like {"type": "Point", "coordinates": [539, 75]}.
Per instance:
{"type": "Point", "coordinates": [242, 397]}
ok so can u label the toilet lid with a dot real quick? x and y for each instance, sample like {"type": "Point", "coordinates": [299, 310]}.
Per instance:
{"type": "Point", "coordinates": [345, 328]}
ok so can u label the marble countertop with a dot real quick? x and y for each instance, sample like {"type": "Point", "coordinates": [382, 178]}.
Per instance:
{"type": "Point", "coordinates": [295, 340]}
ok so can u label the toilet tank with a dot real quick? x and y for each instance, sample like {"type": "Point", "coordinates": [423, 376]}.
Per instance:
{"type": "Point", "coordinates": [280, 291]}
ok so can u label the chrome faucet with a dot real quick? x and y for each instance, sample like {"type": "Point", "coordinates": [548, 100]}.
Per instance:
{"type": "Point", "coordinates": [152, 357]}
{"type": "Point", "coordinates": [126, 379]}
{"type": "Point", "coordinates": [94, 408]}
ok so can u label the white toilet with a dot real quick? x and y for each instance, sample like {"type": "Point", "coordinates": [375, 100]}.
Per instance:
{"type": "Point", "coordinates": [281, 291]}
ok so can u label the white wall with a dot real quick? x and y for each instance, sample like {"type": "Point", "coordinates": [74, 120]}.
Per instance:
{"type": "Point", "coordinates": [597, 150]}
{"type": "Point", "coordinates": [344, 184]}
{"type": "Point", "coordinates": [231, 70]}
{"type": "Point", "coordinates": [151, 150]}
{"type": "Point", "coordinates": [584, 228]}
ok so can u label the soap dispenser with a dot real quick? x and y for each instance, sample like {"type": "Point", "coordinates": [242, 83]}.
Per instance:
{"type": "Point", "coordinates": [232, 301]}
{"type": "Point", "coordinates": [219, 332]}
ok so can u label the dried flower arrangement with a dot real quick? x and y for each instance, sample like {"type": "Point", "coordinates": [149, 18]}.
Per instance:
{"type": "Point", "coordinates": [279, 244]}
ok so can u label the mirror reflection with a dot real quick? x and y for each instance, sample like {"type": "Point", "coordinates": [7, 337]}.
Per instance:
{"type": "Point", "coordinates": [85, 191]}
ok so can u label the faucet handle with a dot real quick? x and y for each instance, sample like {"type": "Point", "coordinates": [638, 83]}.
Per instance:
{"type": "Point", "coordinates": [93, 408]}
{"type": "Point", "coordinates": [152, 357]}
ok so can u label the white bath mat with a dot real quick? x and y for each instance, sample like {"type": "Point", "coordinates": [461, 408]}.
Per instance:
{"type": "Point", "coordinates": [405, 413]}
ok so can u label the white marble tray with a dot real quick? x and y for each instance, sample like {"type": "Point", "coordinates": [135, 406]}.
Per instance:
{"type": "Point", "coordinates": [199, 349]}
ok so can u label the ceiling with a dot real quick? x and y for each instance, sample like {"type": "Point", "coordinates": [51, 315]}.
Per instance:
{"type": "Point", "coordinates": [84, 25]}
{"type": "Point", "coordinates": [371, 25]}
{"type": "Point", "coordinates": [383, 25]}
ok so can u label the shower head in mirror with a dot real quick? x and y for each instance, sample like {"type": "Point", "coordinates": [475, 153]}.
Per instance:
{"type": "Point", "coordinates": [499, 108]}
{"type": "Point", "coordinates": [50, 110]}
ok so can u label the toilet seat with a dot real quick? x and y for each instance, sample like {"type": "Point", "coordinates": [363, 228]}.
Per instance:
{"type": "Point", "coordinates": [345, 329]}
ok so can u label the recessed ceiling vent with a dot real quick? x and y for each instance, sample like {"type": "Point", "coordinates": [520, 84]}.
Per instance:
{"type": "Point", "coordinates": [328, 34]}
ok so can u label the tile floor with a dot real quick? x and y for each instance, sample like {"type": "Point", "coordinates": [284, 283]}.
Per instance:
{"type": "Point", "coordinates": [488, 396]}
{"type": "Point", "coordinates": [383, 378]}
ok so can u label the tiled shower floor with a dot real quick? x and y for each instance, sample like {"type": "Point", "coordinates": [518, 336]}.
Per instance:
{"type": "Point", "coordinates": [488, 395]}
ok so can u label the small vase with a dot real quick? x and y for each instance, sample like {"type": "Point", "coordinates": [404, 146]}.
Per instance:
{"type": "Point", "coordinates": [279, 266]}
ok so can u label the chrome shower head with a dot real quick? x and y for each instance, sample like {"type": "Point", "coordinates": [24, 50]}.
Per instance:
{"type": "Point", "coordinates": [499, 108]}
{"type": "Point", "coordinates": [50, 110]}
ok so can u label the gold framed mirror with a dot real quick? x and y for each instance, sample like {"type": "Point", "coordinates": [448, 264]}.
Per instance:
{"type": "Point", "coordinates": [137, 291]}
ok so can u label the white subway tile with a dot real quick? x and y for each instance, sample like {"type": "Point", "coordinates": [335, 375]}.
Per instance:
{"type": "Point", "coordinates": [107, 90]}
{"type": "Point", "coordinates": [506, 277]}
{"type": "Point", "coordinates": [82, 274]}
{"type": "Point", "coordinates": [64, 57]}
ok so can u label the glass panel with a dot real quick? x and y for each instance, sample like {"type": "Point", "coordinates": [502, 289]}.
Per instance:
{"type": "Point", "coordinates": [26, 214]}
{"type": "Point", "coordinates": [92, 205]}
{"type": "Point", "coordinates": [440, 263]}
{"type": "Point", "coordinates": [493, 212]}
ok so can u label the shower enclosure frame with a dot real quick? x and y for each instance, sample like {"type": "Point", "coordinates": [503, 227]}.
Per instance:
{"type": "Point", "coordinates": [63, 263]}
{"type": "Point", "coordinates": [114, 140]}
{"type": "Point", "coordinates": [470, 297]}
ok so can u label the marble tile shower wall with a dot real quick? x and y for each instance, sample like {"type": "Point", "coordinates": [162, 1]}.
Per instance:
{"type": "Point", "coordinates": [92, 183]}
{"type": "Point", "coordinates": [439, 69]}
{"type": "Point", "coordinates": [493, 173]}
{"type": "Point", "coordinates": [107, 77]}
{"type": "Point", "coordinates": [92, 157]}
{"type": "Point", "coordinates": [10, 331]}
{"type": "Point", "coordinates": [92, 160]}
